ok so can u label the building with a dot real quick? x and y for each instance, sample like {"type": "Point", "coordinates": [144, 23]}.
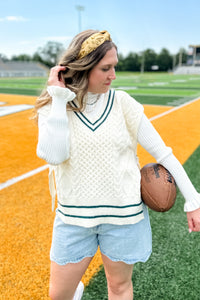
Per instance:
{"type": "Point", "coordinates": [194, 55]}
{"type": "Point", "coordinates": [193, 62]}
{"type": "Point", "coordinates": [22, 69]}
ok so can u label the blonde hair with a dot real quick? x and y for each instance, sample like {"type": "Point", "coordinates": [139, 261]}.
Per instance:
{"type": "Point", "coordinates": [77, 71]}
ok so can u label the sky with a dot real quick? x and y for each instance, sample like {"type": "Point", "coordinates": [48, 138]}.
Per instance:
{"type": "Point", "coordinates": [134, 25]}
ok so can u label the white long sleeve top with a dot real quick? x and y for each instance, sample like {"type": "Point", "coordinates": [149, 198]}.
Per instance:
{"type": "Point", "coordinates": [57, 132]}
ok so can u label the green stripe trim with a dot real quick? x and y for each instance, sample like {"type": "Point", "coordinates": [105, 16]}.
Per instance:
{"type": "Point", "coordinates": [101, 216]}
{"type": "Point", "coordinates": [93, 129]}
{"type": "Point", "coordinates": [101, 206]}
{"type": "Point", "coordinates": [108, 111]}
{"type": "Point", "coordinates": [101, 115]}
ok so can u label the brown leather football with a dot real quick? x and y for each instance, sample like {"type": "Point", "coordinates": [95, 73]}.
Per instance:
{"type": "Point", "coordinates": [158, 187]}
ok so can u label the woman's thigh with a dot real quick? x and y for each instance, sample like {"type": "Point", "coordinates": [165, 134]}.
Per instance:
{"type": "Point", "coordinates": [64, 279]}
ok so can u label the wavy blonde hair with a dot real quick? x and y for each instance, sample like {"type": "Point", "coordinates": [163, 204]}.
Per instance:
{"type": "Point", "coordinates": [77, 71]}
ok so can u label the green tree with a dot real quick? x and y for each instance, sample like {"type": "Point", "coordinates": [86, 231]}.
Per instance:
{"type": "Point", "coordinates": [50, 53]}
{"type": "Point", "coordinates": [181, 56]}
{"type": "Point", "coordinates": [36, 57]}
{"type": "Point", "coordinates": [132, 62]}
{"type": "Point", "coordinates": [149, 58]}
{"type": "Point", "coordinates": [3, 57]}
{"type": "Point", "coordinates": [120, 65]}
{"type": "Point", "coordinates": [165, 60]}
{"type": "Point", "coordinates": [21, 57]}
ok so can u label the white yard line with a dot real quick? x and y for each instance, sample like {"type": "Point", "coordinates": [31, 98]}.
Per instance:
{"type": "Point", "coordinates": [40, 169]}
{"type": "Point", "coordinates": [11, 109]}
{"type": "Point", "coordinates": [172, 110]}
{"type": "Point", "coordinates": [22, 177]}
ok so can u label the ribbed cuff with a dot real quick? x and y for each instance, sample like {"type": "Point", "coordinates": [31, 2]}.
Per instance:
{"type": "Point", "coordinates": [193, 204]}
{"type": "Point", "coordinates": [60, 92]}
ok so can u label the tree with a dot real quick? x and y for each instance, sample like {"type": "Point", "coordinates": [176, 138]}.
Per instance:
{"type": "Point", "coordinates": [3, 57]}
{"type": "Point", "coordinates": [21, 57]}
{"type": "Point", "coordinates": [134, 62]}
{"type": "Point", "coordinates": [131, 62]}
{"type": "Point", "coordinates": [148, 58]}
{"type": "Point", "coordinates": [181, 56]}
{"type": "Point", "coordinates": [36, 57]}
{"type": "Point", "coordinates": [120, 65]}
{"type": "Point", "coordinates": [165, 60]}
{"type": "Point", "coordinates": [50, 53]}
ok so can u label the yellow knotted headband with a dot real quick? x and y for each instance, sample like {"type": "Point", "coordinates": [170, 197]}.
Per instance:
{"type": "Point", "coordinates": [93, 42]}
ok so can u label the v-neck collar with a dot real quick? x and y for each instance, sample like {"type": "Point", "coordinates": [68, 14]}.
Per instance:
{"type": "Point", "coordinates": [94, 125]}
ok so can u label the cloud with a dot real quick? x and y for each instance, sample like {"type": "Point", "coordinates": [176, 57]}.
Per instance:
{"type": "Point", "coordinates": [13, 19]}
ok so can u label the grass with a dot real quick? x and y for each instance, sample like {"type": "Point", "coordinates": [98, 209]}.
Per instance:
{"type": "Point", "coordinates": [22, 86]}
{"type": "Point", "coordinates": [172, 272]}
{"type": "Point", "coordinates": [20, 91]}
{"type": "Point", "coordinates": [158, 99]}
{"type": "Point", "coordinates": [159, 88]}
{"type": "Point", "coordinates": [147, 88]}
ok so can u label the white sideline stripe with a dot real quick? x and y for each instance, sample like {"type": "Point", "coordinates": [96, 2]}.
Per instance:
{"type": "Point", "coordinates": [11, 109]}
{"type": "Point", "coordinates": [40, 169]}
{"type": "Point", "coordinates": [173, 109]}
{"type": "Point", "coordinates": [22, 177]}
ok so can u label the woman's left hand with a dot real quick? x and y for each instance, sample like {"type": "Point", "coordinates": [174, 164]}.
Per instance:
{"type": "Point", "coordinates": [193, 218]}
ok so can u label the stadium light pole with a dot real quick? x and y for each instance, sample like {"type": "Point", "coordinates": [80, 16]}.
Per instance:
{"type": "Point", "coordinates": [79, 8]}
{"type": "Point", "coordinates": [174, 61]}
{"type": "Point", "coordinates": [142, 63]}
{"type": "Point", "coordinates": [180, 57]}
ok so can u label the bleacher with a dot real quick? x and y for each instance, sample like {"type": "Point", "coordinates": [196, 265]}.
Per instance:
{"type": "Point", "coordinates": [22, 69]}
{"type": "Point", "coordinates": [185, 69]}
{"type": "Point", "coordinates": [192, 65]}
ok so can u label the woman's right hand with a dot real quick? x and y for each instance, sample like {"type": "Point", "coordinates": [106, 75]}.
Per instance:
{"type": "Point", "coordinates": [55, 78]}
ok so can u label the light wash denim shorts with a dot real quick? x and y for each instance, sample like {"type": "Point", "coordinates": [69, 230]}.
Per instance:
{"type": "Point", "coordinates": [126, 243]}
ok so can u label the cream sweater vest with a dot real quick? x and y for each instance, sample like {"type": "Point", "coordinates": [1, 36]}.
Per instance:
{"type": "Point", "coordinates": [100, 182]}
{"type": "Point", "coordinates": [94, 159]}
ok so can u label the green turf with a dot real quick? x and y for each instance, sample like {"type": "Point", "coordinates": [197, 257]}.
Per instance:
{"type": "Point", "coordinates": [147, 88]}
{"type": "Point", "coordinates": [20, 91]}
{"type": "Point", "coordinates": [172, 272]}
{"type": "Point", "coordinates": [22, 86]}
{"type": "Point", "coordinates": [159, 88]}
{"type": "Point", "coordinates": [160, 100]}
{"type": "Point", "coordinates": [163, 80]}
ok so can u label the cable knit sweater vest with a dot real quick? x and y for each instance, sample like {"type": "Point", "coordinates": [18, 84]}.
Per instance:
{"type": "Point", "coordinates": [100, 182]}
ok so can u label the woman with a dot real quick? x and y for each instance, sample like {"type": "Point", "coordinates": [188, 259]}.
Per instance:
{"type": "Point", "coordinates": [89, 135]}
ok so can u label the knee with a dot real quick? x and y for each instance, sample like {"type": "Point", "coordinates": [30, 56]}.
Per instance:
{"type": "Point", "coordinates": [54, 293]}
{"type": "Point", "coordinates": [57, 294]}
{"type": "Point", "coordinates": [119, 287]}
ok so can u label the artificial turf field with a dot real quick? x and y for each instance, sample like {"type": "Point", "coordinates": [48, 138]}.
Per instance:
{"type": "Point", "coordinates": [173, 269]}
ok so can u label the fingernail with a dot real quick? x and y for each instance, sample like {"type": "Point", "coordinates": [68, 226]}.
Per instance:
{"type": "Point", "coordinates": [190, 230]}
